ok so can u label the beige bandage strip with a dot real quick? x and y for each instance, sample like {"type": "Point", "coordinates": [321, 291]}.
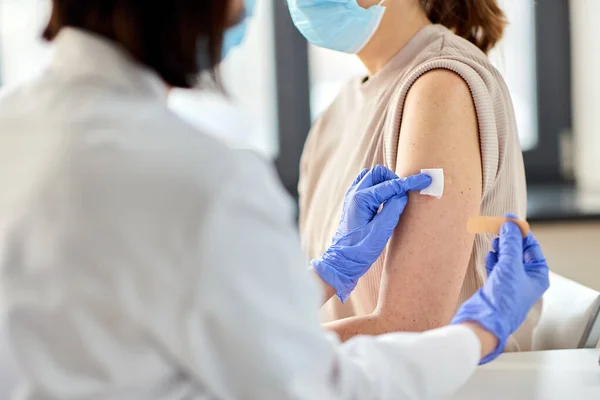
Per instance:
{"type": "Point", "coordinates": [494, 224]}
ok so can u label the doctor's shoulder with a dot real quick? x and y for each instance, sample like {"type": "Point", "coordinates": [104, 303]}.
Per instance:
{"type": "Point", "coordinates": [167, 161]}
{"type": "Point", "coordinates": [245, 176]}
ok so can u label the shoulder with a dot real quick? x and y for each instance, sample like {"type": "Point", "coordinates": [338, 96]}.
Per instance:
{"type": "Point", "coordinates": [450, 72]}
{"type": "Point", "coordinates": [457, 94]}
{"type": "Point", "coordinates": [446, 50]}
{"type": "Point", "coordinates": [439, 119]}
{"type": "Point", "coordinates": [460, 49]}
{"type": "Point", "coordinates": [460, 81]}
{"type": "Point", "coordinates": [162, 161]}
{"type": "Point", "coordinates": [439, 93]}
{"type": "Point", "coordinates": [149, 137]}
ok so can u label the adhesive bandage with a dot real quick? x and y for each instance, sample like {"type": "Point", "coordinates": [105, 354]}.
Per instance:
{"type": "Point", "coordinates": [494, 224]}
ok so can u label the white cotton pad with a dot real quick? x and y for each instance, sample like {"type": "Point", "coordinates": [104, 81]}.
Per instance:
{"type": "Point", "coordinates": [436, 189]}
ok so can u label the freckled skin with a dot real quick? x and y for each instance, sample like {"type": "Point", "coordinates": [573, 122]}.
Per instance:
{"type": "Point", "coordinates": [428, 255]}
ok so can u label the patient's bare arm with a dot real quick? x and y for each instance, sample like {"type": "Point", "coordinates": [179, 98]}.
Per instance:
{"type": "Point", "coordinates": [429, 253]}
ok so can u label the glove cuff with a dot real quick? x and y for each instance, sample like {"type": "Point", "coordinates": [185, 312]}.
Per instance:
{"type": "Point", "coordinates": [484, 313]}
{"type": "Point", "coordinates": [496, 353]}
{"type": "Point", "coordinates": [484, 323]}
{"type": "Point", "coordinates": [337, 280]}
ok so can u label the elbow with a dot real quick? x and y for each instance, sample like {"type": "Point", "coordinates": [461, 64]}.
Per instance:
{"type": "Point", "coordinates": [382, 321]}
{"type": "Point", "coordinates": [399, 320]}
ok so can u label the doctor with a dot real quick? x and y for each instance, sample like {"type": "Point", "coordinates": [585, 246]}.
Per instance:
{"type": "Point", "coordinates": [140, 259]}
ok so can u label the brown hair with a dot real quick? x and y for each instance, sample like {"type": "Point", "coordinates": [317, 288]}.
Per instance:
{"type": "Point", "coordinates": [481, 22]}
{"type": "Point", "coordinates": [163, 35]}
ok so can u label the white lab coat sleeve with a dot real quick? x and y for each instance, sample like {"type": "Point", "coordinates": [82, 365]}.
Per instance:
{"type": "Point", "coordinates": [256, 333]}
{"type": "Point", "coordinates": [407, 365]}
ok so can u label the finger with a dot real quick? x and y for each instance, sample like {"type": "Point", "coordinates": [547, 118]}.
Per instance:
{"type": "Point", "coordinates": [496, 245]}
{"type": "Point", "coordinates": [490, 262]}
{"type": "Point", "coordinates": [382, 192]}
{"type": "Point", "coordinates": [532, 251]}
{"type": "Point", "coordinates": [389, 215]}
{"type": "Point", "coordinates": [540, 272]}
{"type": "Point", "coordinates": [511, 216]}
{"type": "Point", "coordinates": [395, 187]}
{"type": "Point", "coordinates": [511, 243]}
{"type": "Point", "coordinates": [416, 182]}
{"type": "Point", "coordinates": [382, 174]}
{"type": "Point", "coordinates": [360, 176]}
{"type": "Point", "coordinates": [379, 194]}
{"type": "Point", "coordinates": [376, 175]}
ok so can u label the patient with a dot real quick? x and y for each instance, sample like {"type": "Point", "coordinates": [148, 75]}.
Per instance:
{"type": "Point", "coordinates": [431, 100]}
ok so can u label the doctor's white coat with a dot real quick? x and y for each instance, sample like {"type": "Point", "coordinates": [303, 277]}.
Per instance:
{"type": "Point", "coordinates": [141, 259]}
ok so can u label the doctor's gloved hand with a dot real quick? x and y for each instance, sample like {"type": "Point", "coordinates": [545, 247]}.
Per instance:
{"type": "Point", "coordinates": [518, 277]}
{"type": "Point", "coordinates": [364, 230]}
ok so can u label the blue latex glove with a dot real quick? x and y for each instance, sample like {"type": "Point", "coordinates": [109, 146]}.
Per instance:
{"type": "Point", "coordinates": [518, 277]}
{"type": "Point", "coordinates": [363, 232]}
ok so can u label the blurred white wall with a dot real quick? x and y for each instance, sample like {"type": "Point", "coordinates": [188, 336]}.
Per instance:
{"type": "Point", "coordinates": [515, 58]}
{"type": "Point", "coordinates": [22, 51]}
{"type": "Point", "coordinates": [585, 31]}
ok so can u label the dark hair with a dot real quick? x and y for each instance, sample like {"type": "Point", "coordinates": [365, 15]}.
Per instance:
{"type": "Point", "coordinates": [481, 22]}
{"type": "Point", "coordinates": [163, 35]}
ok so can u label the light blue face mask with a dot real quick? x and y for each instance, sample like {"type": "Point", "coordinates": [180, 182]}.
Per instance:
{"type": "Point", "coordinates": [340, 25]}
{"type": "Point", "coordinates": [235, 35]}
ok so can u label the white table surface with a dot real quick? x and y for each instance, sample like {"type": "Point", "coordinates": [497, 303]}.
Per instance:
{"type": "Point", "coordinates": [544, 375]}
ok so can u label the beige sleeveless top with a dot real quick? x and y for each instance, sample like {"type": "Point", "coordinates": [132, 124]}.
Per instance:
{"type": "Point", "coordinates": [360, 129]}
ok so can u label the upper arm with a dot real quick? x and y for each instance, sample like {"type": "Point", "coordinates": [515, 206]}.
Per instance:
{"type": "Point", "coordinates": [429, 253]}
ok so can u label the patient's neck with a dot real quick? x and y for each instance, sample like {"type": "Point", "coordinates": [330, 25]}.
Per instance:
{"type": "Point", "coordinates": [401, 21]}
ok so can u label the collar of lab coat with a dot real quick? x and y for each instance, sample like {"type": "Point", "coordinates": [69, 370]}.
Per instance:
{"type": "Point", "coordinates": [80, 53]}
